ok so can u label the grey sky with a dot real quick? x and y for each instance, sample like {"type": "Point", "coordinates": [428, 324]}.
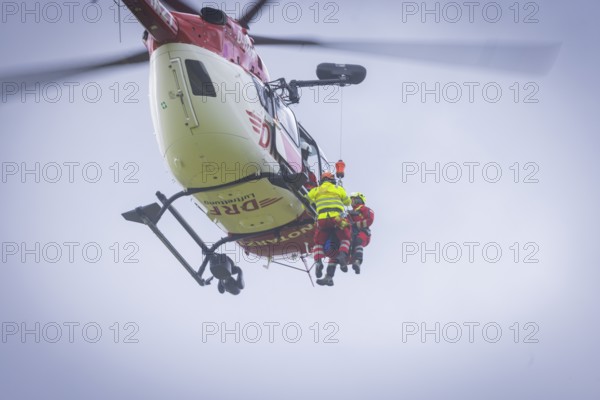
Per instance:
{"type": "Point", "coordinates": [548, 135]}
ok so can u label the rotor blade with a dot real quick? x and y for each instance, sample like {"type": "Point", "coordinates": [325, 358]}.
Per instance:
{"type": "Point", "coordinates": [244, 20]}
{"type": "Point", "coordinates": [49, 74]}
{"type": "Point", "coordinates": [180, 6]}
{"type": "Point", "coordinates": [532, 58]}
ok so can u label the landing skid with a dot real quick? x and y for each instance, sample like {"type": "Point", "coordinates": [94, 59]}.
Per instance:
{"type": "Point", "coordinates": [229, 276]}
{"type": "Point", "coordinates": [306, 269]}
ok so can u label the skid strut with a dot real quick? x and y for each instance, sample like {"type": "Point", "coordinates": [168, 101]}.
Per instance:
{"type": "Point", "coordinates": [141, 213]}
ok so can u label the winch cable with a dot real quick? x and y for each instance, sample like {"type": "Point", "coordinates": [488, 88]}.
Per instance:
{"type": "Point", "coordinates": [341, 118]}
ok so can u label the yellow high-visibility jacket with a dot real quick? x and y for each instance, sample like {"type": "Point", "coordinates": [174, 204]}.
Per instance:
{"type": "Point", "coordinates": [329, 200]}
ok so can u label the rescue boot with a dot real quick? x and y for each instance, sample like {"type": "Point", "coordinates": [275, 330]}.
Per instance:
{"type": "Point", "coordinates": [342, 259]}
{"type": "Point", "coordinates": [319, 269]}
{"type": "Point", "coordinates": [357, 256]}
{"type": "Point", "coordinates": [343, 267]}
{"type": "Point", "coordinates": [326, 281]}
{"type": "Point", "coordinates": [356, 266]}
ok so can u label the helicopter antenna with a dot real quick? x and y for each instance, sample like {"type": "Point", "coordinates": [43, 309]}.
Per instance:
{"type": "Point", "coordinates": [118, 4]}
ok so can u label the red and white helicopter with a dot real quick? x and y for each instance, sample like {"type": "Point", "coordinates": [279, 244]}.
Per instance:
{"type": "Point", "coordinates": [248, 163]}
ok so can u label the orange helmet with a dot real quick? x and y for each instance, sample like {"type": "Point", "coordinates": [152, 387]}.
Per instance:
{"type": "Point", "coordinates": [327, 176]}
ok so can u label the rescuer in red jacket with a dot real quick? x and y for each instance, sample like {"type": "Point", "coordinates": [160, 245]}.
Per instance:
{"type": "Point", "coordinates": [362, 218]}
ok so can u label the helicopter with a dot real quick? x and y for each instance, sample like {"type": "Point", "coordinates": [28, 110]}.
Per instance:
{"type": "Point", "coordinates": [248, 163]}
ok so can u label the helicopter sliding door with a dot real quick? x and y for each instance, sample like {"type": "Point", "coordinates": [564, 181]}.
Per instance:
{"type": "Point", "coordinates": [287, 141]}
{"type": "Point", "coordinates": [189, 116]}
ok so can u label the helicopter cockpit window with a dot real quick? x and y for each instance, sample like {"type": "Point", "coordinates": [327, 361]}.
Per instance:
{"type": "Point", "coordinates": [199, 79]}
{"type": "Point", "coordinates": [287, 119]}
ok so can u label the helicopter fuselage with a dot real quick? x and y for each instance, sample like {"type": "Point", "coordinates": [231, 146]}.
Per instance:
{"type": "Point", "coordinates": [213, 130]}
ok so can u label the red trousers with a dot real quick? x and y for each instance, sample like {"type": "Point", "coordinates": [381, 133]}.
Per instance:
{"type": "Point", "coordinates": [326, 227]}
{"type": "Point", "coordinates": [362, 239]}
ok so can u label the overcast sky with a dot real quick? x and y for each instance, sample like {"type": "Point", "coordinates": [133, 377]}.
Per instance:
{"type": "Point", "coordinates": [481, 278]}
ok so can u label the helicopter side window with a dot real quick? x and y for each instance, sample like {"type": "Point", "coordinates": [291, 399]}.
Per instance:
{"type": "Point", "coordinates": [263, 96]}
{"type": "Point", "coordinates": [287, 119]}
{"type": "Point", "coordinates": [326, 165]}
{"type": "Point", "coordinates": [309, 151]}
{"type": "Point", "coordinates": [199, 79]}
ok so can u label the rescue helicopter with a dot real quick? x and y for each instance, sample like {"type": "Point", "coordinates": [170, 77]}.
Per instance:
{"type": "Point", "coordinates": [248, 163]}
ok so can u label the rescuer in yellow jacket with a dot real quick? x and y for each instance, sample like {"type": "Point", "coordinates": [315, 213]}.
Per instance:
{"type": "Point", "coordinates": [330, 201]}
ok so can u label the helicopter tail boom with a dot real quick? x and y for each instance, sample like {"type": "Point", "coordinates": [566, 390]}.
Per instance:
{"type": "Point", "coordinates": [157, 20]}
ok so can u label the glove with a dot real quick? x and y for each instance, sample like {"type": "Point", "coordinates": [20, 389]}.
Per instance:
{"type": "Point", "coordinates": [342, 223]}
